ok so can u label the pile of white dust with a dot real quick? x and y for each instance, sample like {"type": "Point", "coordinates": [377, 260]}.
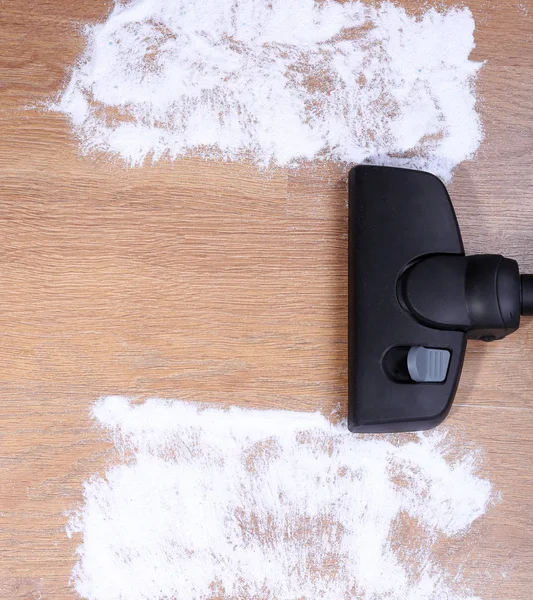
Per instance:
{"type": "Point", "coordinates": [207, 503]}
{"type": "Point", "coordinates": [277, 82]}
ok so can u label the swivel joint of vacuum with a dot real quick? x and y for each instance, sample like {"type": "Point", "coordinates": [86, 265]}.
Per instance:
{"type": "Point", "coordinates": [482, 295]}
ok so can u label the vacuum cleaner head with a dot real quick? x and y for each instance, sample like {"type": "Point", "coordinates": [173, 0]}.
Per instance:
{"type": "Point", "coordinates": [414, 299]}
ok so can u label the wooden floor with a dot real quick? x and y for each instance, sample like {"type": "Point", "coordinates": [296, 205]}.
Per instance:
{"type": "Point", "coordinates": [214, 282]}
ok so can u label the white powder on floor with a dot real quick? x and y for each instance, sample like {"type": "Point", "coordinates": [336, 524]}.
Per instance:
{"type": "Point", "coordinates": [206, 503]}
{"type": "Point", "coordinates": [278, 81]}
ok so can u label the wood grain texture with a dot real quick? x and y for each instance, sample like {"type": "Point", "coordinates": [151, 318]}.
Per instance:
{"type": "Point", "coordinates": [214, 282]}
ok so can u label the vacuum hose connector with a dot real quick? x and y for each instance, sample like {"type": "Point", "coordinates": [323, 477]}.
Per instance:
{"type": "Point", "coordinates": [526, 295]}
{"type": "Point", "coordinates": [482, 295]}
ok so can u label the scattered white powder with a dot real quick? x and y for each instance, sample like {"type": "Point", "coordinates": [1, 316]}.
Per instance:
{"type": "Point", "coordinates": [278, 81]}
{"type": "Point", "coordinates": [268, 505]}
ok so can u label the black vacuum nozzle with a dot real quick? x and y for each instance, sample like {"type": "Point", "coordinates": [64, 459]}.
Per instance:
{"type": "Point", "coordinates": [415, 299]}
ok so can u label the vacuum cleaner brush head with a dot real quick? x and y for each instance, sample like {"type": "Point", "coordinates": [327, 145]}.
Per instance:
{"type": "Point", "coordinates": [414, 299]}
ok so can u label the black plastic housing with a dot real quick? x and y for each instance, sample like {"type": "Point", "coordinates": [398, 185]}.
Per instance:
{"type": "Point", "coordinates": [414, 298]}
{"type": "Point", "coordinates": [396, 217]}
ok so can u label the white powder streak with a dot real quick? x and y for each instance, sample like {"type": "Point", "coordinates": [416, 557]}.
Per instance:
{"type": "Point", "coordinates": [269, 505]}
{"type": "Point", "coordinates": [278, 82]}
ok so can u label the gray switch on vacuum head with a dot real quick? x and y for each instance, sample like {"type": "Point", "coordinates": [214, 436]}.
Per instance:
{"type": "Point", "coordinates": [428, 365]}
